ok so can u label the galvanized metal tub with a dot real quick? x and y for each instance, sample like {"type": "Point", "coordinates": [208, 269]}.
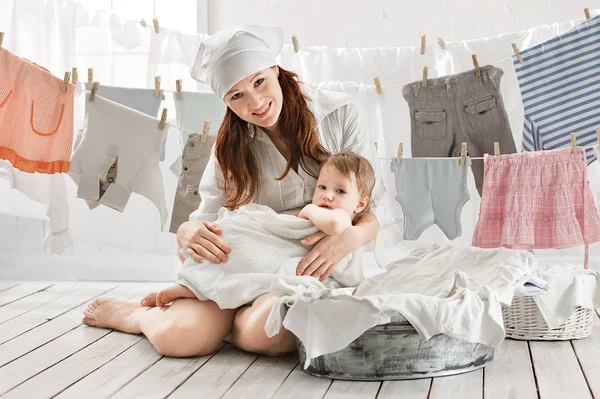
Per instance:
{"type": "Point", "coordinates": [395, 351]}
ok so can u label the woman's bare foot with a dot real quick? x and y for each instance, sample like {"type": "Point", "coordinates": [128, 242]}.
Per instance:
{"type": "Point", "coordinates": [171, 293]}
{"type": "Point", "coordinates": [113, 313]}
{"type": "Point", "coordinates": [149, 300]}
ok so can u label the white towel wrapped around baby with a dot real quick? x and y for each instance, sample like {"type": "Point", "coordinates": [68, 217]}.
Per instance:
{"type": "Point", "coordinates": [265, 248]}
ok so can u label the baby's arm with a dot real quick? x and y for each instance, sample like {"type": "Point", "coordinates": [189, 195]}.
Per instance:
{"type": "Point", "coordinates": [330, 221]}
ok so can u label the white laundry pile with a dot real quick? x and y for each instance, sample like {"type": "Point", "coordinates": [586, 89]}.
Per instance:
{"type": "Point", "coordinates": [569, 286]}
{"type": "Point", "coordinates": [443, 290]}
{"type": "Point", "coordinates": [265, 248]}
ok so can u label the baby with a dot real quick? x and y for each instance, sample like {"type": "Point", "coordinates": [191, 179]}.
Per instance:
{"type": "Point", "coordinates": [341, 197]}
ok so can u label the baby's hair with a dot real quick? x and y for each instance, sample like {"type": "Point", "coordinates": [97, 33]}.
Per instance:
{"type": "Point", "coordinates": [349, 163]}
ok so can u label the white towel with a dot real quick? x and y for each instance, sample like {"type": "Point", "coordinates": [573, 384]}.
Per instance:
{"type": "Point", "coordinates": [265, 247]}
{"type": "Point", "coordinates": [570, 286]}
{"type": "Point", "coordinates": [452, 291]}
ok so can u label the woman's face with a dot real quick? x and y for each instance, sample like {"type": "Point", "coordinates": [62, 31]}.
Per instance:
{"type": "Point", "coordinates": [258, 99]}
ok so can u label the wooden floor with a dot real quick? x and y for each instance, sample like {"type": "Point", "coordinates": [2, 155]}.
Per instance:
{"type": "Point", "coordinates": [45, 352]}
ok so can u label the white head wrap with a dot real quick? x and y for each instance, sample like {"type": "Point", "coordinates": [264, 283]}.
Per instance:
{"type": "Point", "coordinates": [231, 55]}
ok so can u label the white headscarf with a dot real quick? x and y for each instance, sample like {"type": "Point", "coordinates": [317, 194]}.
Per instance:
{"type": "Point", "coordinates": [231, 55]}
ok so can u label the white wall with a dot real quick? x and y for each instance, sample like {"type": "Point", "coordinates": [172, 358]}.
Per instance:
{"type": "Point", "coordinates": [377, 23]}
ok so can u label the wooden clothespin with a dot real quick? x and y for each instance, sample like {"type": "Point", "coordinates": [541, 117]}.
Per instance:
{"type": "Point", "coordinates": [93, 91]}
{"type": "Point", "coordinates": [90, 81]}
{"type": "Point", "coordinates": [295, 43]}
{"type": "Point", "coordinates": [598, 135]}
{"type": "Point", "coordinates": [1, 38]}
{"type": "Point", "coordinates": [441, 43]}
{"type": "Point", "coordinates": [178, 84]}
{"type": "Point", "coordinates": [574, 143]}
{"type": "Point", "coordinates": [156, 26]}
{"type": "Point", "coordinates": [143, 22]}
{"type": "Point", "coordinates": [463, 154]}
{"type": "Point", "coordinates": [586, 11]}
{"type": "Point", "coordinates": [65, 84]}
{"type": "Point", "coordinates": [205, 132]}
{"type": "Point", "coordinates": [157, 86]}
{"type": "Point", "coordinates": [476, 65]}
{"type": "Point", "coordinates": [74, 76]}
{"type": "Point", "coordinates": [400, 153]}
{"type": "Point", "coordinates": [377, 84]}
{"type": "Point", "coordinates": [424, 81]}
{"type": "Point", "coordinates": [497, 151]}
{"type": "Point", "coordinates": [163, 119]}
{"type": "Point", "coordinates": [517, 53]}
{"type": "Point", "coordinates": [423, 43]}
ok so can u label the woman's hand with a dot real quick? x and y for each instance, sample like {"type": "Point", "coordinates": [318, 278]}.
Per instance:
{"type": "Point", "coordinates": [327, 253]}
{"type": "Point", "coordinates": [201, 241]}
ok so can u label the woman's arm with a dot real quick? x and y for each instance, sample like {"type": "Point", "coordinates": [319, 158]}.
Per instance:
{"type": "Point", "coordinates": [330, 221]}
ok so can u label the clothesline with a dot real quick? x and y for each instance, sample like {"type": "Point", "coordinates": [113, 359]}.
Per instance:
{"type": "Point", "coordinates": [371, 86]}
{"type": "Point", "coordinates": [473, 158]}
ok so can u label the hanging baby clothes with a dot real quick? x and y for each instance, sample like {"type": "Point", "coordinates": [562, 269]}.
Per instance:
{"type": "Point", "coordinates": [560, 89]}
{"type": "Point", "coordinates": [455, 109]}
{"type": "Point", "coordinates": [35, 115]}
{"type": "Point", "coordinates": [187, 198]}
{"type": "Point", "coordinates": [118, 155]}
{"type": "Point", "coordinates": [192, 110]}
{"type": "Point", "coordinates": [431, 191]}
{"type": "Point", "coordinates": [537, 200]}
{"type": "Point", "coordinates": [369, 102]}
{"type": "Point", "coordinates": [47, 189]}
{"type": "Point", "coordinates": [142, 100]}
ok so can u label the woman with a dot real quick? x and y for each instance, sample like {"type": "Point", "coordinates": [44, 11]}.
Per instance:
{"type": "Point", "coordinates": [275, 133]}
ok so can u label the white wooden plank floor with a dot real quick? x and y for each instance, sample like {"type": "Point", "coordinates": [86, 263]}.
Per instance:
{"type": "Point", "coordinates": [45, 352]}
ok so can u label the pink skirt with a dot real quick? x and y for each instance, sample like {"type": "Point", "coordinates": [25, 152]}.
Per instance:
{"type": "Point", "coordinates": [537, 200]}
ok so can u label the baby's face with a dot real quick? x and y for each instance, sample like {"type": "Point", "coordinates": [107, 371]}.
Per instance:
{"type": "Point", "coordinates": [334, 190]}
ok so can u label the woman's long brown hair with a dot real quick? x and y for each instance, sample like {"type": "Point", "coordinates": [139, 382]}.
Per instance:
{"type": "Point", "coordinates": [234, 149]}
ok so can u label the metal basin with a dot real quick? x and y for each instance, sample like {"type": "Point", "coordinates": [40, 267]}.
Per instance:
{"type": "Point", "coordinates": [395, 351]}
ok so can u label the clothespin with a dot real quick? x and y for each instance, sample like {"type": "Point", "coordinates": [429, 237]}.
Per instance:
{"type": "Point", "coordinates": [517, 53]}
{"type": "Point", "coordinates": [93, 91]}
{"type": "Point", "coordinates": [74, 76]}
{"type": "Point", "coordinates": [424, 81]}
{"type": "Point", "coordinates": [157, 86]}
{"type": "Point", "coordinates": [497, 151]}
{"type": "Point", "coordinates": [463, 154]}
{"type": "Point", "coordinates": [163, 119]}
{"type": "Point", "coordinates": [178, 84]}
{"type": "Point", "coordinates": [574, 143]}
{"type": "Point", "coordinates": [63, 88]}
{"type": "Point", "coordinates": [205, 132]}
{"type": "Point", "coordinates": [598, 135]}
{"type": "Point", "coordinates": [90, 78]}
{"type": "Point", "coordinates": [441, 43]}
{"type": "Point", "coordinates": [295, 43]}
{"type": "Point", "coordinates": [586, 11]}
{"type": "Point", "coordinates": [423, 42]}
{"type": "Point", "coordinates": [476, 65]}
{"type": "Point", "coordinates": [1, 38]}
{"type": "Point", "coordinates": [377, 84]}
{"type": "Point", "coordinates": [156, 26]}
{"type": "Point", "coordinates": [400, 153]}
{"type": "Point", "coordinates": [143, 22]}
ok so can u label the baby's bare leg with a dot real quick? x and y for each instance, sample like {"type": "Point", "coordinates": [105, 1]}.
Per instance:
{"type": "Point", "coordinates": [171, 293]}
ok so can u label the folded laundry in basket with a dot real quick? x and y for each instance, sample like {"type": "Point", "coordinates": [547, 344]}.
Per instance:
{"type": "Point", "coordinates": [443, 290]}
{"type": "Point", "coordinates": [570, 286]}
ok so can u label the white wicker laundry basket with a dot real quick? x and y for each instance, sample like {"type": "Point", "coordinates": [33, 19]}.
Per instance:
{"type": "Point", "coordinates": [523, 320]}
